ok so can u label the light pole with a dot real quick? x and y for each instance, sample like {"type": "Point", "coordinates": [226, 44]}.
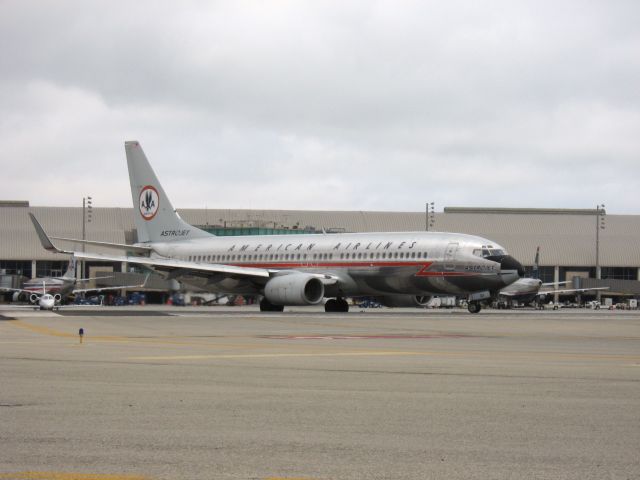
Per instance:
{"type": "Point", "coordinates": [87, 212]}
{"type": "Point", "coordinates": [429, 215]}
{"type": "Point", "coordinates": [600, 225]}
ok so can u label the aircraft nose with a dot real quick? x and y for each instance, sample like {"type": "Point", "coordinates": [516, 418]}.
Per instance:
{"type": "Point", "coordinates": [509, 263]}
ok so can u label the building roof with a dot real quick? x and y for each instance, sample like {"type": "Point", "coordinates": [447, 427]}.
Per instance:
{"type": "Point", "coordinates": [565, 237]}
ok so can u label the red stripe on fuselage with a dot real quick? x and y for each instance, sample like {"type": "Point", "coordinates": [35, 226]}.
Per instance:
{"type": "Point", "coordinates": [421, 273]}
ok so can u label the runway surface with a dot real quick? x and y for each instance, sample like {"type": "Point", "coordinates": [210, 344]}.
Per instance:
{"type": "Point", "coordinates": [171, 393]}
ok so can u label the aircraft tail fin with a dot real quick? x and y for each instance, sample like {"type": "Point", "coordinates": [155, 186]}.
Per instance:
{"type": "Point", "coordinates": [71, 269]}
{"type": "Point", "coordinates": [536, 264]}
{"type": "Point", "coordinates": [155, 218]}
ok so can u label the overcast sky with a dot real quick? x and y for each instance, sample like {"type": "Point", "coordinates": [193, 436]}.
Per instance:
{"type": "Point", "coordinates": [368, 105]}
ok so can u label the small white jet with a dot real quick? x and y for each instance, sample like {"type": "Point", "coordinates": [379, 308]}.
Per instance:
{"type": "Point", "coordinates": [399, 269]}
{"type": "Point", "coordinates": [43, 300]}
{"type": "Point", "coordinates": [58, 288]}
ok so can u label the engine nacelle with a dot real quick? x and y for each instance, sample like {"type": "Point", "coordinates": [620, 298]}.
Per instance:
{"type": "Point", "coordinates": [404, 301]}
{"type": "Point", "coordinates": [18, 296]}
{"type": "Point", "coordinates": [57, 297]}
{"type": "Point", "coordinates": [294, 289]}
{"type": "Point", "coordinates": [33, 298]}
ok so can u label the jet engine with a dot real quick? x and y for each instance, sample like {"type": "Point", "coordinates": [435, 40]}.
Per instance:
{"type": "Point", "coordinates": [18, 297]}
{"type": "Point", "coordinates": [33, 298]}
{"type": "Point", "coordinates": [404, 301]}
{"type": "Point", "coordinates": [294, 289]}
{"type": "Point", "coordinates": [57, 297]}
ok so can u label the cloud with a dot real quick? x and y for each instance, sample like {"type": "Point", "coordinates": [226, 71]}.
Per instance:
{"type": "Point", "coordinates": [324, 105]}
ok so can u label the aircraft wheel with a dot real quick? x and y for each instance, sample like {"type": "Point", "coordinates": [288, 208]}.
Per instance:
{"type": "Point", "coordinates": [336, 305]}
{"type": "Point", "coordinates": [267, 306]}
{"type": "Point", "coordinates": [343, 306]}
{"type": "Point", "coordinates": [331, 305]}
{"type": "Point", "coordinates": [474, 307]}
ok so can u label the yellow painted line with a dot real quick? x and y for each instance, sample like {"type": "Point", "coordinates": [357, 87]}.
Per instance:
{"type": "Point", "coordinates": [326, 349]}
{"type": "Point", "coordinates": [161, 340]}
{"type": "Point", "coordinates": [38, 329]}
{"type": "Point", "coordinates": [70, 476]}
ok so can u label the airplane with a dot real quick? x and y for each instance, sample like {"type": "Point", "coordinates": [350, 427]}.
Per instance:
{"type": "Point", "coordinates": [528, 290]}
{"type": "Point", "coordinates": [43, 300]}
{"type": "Point", "coordinates": [57, 288]}
{"type": "Point", "coordinates": [399, 269]}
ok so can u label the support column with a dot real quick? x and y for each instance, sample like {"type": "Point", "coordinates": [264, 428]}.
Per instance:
{"type": "Point", "coordinates": [33, 269]}
{"type": "Point", "coordinates": [556, 279]}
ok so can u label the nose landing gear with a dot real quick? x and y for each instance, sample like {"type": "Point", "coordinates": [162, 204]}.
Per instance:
{"type": "Point", "coordinates": [474, 307]}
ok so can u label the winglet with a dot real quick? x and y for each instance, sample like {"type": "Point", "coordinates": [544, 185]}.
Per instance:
{"type": "Point", "coordinates": [46, 242]}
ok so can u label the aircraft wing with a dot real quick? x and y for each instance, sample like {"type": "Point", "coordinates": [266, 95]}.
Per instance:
{"type": "Point", "coordinates": [172, 266]}
{"type": "Point", "coordinates": [157, 263]}
{"type": "Point", "coordinates": [104, 289]}
{"type": "Point", "coordinates": [21, 290]}
{"type": "Point", "coordinates": [571, 290]}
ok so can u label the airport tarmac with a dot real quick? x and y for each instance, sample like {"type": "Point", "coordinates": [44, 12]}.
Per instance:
{"type": "Point", "coordinates": [232, 393]}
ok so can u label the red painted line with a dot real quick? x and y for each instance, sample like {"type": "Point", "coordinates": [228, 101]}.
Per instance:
{"type": "Point", "coordinates": [360, 337]}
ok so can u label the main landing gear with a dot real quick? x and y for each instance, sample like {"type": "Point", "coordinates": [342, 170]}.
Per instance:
{"type": "Point", "coordinates": [474, 307]}
{"type": "Point", "coordinates": [267, 306]}
{"type": "Point", "coordinates": [336, 305]}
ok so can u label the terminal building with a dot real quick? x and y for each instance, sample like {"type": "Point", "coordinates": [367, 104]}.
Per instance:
{"type": "Point", "coordinates": [586, 248]}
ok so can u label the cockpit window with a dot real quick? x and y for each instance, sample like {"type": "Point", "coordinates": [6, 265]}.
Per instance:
{"type": "Point", "coordinates": [488, 251]}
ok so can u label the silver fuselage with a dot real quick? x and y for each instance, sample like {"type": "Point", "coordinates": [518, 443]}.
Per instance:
{"type": "Point", "coordinates": [411, 263]}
